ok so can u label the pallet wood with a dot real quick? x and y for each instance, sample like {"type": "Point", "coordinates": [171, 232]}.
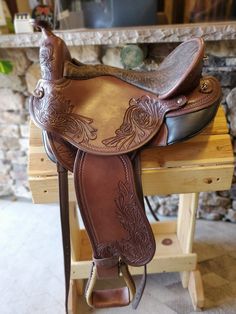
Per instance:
{"type": "Point", "coordinates": [203, 163]}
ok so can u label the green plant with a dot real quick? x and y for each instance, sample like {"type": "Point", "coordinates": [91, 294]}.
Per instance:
{"type": "Point", "coordinates": [6, 66]}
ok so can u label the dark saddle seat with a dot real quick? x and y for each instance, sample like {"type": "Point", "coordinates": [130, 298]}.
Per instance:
{"type": "Point", "coordinates": [95, 119]}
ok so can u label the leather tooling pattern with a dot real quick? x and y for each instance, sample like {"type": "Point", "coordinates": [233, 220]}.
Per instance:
{"type": "Point", "coordinates": [154, 81]}
{"type": "Point", "coordinates": [47, 60]}
{"type": "Point", "coordinates": [137, 248]}
{"type": "Point", "coordinates": [63, 151]}
{"type": "Point", "coordinates": [140, 118]}
{"type": "Point", "coordinates": [175, 59]}
{"type": "Point", "coordinates": [55, 111]}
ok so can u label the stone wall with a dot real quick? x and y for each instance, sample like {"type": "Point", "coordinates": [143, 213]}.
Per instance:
{"type": "Point", "coordinates": [14, 119]}
{"type": "Point", "coordinates": [14, 125]}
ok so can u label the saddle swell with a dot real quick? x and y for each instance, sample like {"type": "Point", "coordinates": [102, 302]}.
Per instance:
{"type": "Point", "coordinates": [93, 118]}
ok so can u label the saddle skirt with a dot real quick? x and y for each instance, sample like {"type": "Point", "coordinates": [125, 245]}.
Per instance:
{"type": "Point", "coordinates": [95, 119]}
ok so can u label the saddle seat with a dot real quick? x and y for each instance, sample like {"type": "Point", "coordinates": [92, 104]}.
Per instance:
{"type": "Point", "coordinates": [178, 73]}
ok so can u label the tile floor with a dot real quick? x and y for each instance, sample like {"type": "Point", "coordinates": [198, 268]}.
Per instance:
{"type": "Point", "coordinates": [31, 267]}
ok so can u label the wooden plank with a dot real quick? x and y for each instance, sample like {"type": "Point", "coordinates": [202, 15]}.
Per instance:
{"type": "Point", "coordinates": [38, 162]}
{"type": "Point", "coordinates": [188, 204]}
{"type": "Point", "coordinates": [167, 257]}
{"type": "Point", "coordinates": [74, 231]}
{"type": "Point", "coordinates": [201, 150]}
{"type": "Point", "coordinates": [81, 269]}
{"type": "Point", "coordinates": [168, 10]}
{"type": "Point", "coordinates": [218, 125]}
{"type": "Point", "coordinates": [73, 301]}
{"type": "Point", "coordinates": [187, 180]}
{"type": "Point", "coordinates": [195, 289]}
{"type": "Point", "coordinates": [183, 180]}
{"type": "Point", "coordinates": [171, 249]}
{"type": "Point", "coordinates": [193, 152]}
{"type": "Point", "coordinates": [45, 189]}
{"type": "Point", "coordinates": [164, 227]}
{"type": "Point", "coordinates": [175, 263]}
{"type": "Point", "coordinates": [85, 247]}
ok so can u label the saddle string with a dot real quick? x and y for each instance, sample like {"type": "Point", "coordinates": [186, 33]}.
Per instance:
{"type": "Point", "coordinates": [140, 289]}
{"type": "Point", "coordinates": [154, 215]}
{"type": "Point", "coordinates": [65, 226]}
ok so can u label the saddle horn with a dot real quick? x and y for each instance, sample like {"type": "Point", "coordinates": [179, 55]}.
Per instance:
{"type": "Point", "coordinates": [53, 53]}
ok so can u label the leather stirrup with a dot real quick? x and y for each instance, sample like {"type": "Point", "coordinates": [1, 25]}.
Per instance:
{"type": "Point", "coordinates": [110, 297]}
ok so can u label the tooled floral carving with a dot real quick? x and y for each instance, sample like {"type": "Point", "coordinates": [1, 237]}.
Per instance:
{"type": "Point", "coordinates": [47, 60]}
{"type": "Point", "coordinates": [160, 81]}
{"type": "Point", "coordinates": [65, 151]}
{"type": "Point", "coordinates": [55, 112]}
{"type": "Point", "coordinates": [140, 118]}
{"type": "Point", "coordinates": [138, 246]}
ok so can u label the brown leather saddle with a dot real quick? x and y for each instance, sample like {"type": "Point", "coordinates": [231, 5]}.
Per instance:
{"type": "Point", "coordinates": [95, 119]}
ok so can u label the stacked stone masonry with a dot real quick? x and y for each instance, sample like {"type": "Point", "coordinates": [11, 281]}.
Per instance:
{"type": "Point", "coordinates": [15, 89]}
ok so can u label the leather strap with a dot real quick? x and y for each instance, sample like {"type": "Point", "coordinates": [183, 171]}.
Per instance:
{"type": "Point", "coordinates": [154, 215]}
{"type": "Point", "coordinates": [65, 227]}
{"type": "Point", "coordinates": [110, 297]}
{"type": "Point", "coordinates": [140, 289]}
{"type": "Point", "coordinates": [107, 267]}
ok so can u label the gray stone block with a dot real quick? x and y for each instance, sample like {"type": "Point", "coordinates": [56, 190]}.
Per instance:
{"type": "Point", "coordinates": [86, 54]}
{"type": "Point", "coordinates": [231, 216]}
{"type": "Point", "coordinates": [32, 76]}
{"type": "Point", "coordinates": [18, 58]}
{"type": "Point", "coordinates": [10, 100]}
{"type": "Point", "coordinates": [9, 130]}
{"type": "Point", "coordinates": [32, 54]}
{"type": "Point", "coordinates": [12, 81]}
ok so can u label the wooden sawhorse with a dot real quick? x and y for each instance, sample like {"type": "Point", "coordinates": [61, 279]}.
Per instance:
{"type": "Point", "coordinates": [204, 163]}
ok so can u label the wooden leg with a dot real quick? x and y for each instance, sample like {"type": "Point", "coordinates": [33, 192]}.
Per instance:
{"type": "Point", "coordinates": [184, 276]}
{"type": "Point", "coordinates": [74, 231]}
{"type": "Point", "coordinates": [192, 280]}
{"type": "Point", "coordinates": [73, 304]}
{"type": "Point", "coordinates": [80, 286]}
{"type": "Point", "coordinates": [77, 285]}
{"type": "Point", "coordinates": [195, 288]}
{"type": "Point", "coordinates": [186, 226]}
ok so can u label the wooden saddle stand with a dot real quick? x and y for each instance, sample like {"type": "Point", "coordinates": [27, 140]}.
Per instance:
{"type": "Point", "coordinates": [96, 120]}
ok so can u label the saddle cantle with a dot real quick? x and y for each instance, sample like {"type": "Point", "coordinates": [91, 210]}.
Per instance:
{"type": "Point", "coordinates": [179, 72]}
{"type": "Point", "coordinates": [95, 119]}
